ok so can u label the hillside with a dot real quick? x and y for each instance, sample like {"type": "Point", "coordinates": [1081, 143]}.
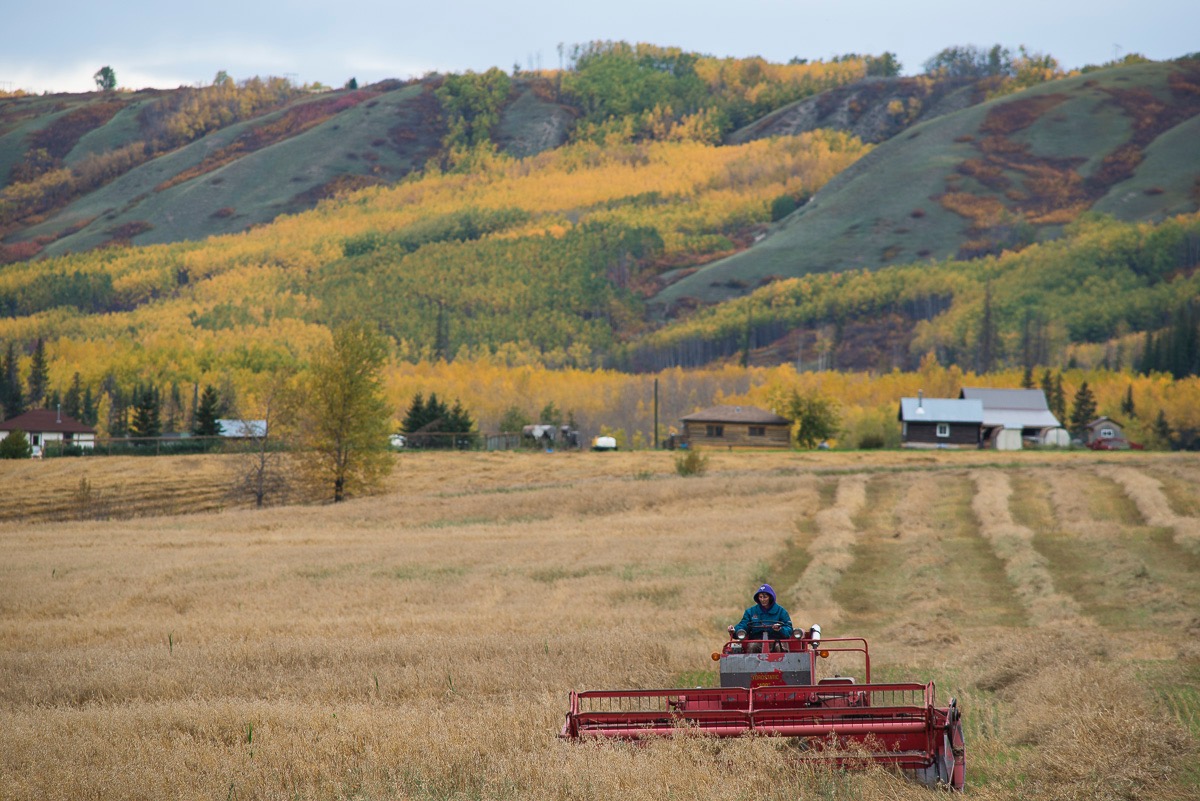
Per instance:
{"type": "Point", "coordinates": [559, 259]}
{"type": "Point", "coordinates": [303, 148]}
{"type": "Point", "coordinates": [1001, 174]}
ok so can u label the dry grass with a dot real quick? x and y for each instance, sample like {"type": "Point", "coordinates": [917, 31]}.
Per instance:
{"type": "Point", "coordinates": [1147, 493]}
{"type": "Point", "coordinates": [1024, 566]}
{"type": "Point", "coordinates": [421, 644]}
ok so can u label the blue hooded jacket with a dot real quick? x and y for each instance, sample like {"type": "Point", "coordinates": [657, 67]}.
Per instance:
{"type": "Point", "coordinates": [756, 618]}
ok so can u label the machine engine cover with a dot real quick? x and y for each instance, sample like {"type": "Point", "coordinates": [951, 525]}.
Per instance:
{"type": "Point", "coordinates": [766, 670]}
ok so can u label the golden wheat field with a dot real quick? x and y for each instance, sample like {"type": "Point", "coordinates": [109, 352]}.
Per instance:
{"type": "Point", "coordinates": [158, 640]}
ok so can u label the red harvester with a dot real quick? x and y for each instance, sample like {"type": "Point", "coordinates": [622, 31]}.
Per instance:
{"type": "Point", "coordinates": [771, 688]}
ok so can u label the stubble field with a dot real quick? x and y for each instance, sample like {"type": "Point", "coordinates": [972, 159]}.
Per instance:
{"type": "Point", "coordinates": [420, 644]}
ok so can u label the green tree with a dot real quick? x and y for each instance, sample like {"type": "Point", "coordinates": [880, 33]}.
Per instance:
{"type": "Point", "coordinates": [73, 400]}
{"type": "Point", "coordinates": [15, 446]}
{"type": "Point", "coordinates": [39, 376]}
{"type": "Point", "coordinates": [814, 419]}
{"type": "Point", "coordinates": [106, 79]}
{"type": "Point", "coordinates": [514, 420]}
{"type": "Point", "coordinates": [208, 410]}
{"type": "Point", "coordinates": [1057, 399]}
{"type": "Point", "coordinates": [11, 396]}
{"type": "Point", "coordinates": [1127, 405]}
{"type": "Point", "coordinates": [146, 421]}
{"type": "Point", "coordinates": [346, 420]}
{"type": "Point", "coordinates": [1083, 410]}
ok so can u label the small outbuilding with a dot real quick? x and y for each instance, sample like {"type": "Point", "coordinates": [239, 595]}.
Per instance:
{"type": "Point", "coordinates": [737, 426]}
{"type": "Point", "coordinates": [50, 428]}
{"type": "Point", "coordinates": [1106, 434]}
{"type": "Point", "coordinates": [940, 422]}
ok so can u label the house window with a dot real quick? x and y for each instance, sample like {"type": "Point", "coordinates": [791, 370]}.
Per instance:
{"type": "Point", "coordinates": [943, 429]}
{"type": "Point", "coordinates": [714, 431]}
{"type": "Point", "coordinates": [1107, 433]}
{"type": "Point", "coordinates": [758, 431]}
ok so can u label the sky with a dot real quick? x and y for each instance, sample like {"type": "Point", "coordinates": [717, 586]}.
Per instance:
{"type": "Point", "coordinates": [165, 44]}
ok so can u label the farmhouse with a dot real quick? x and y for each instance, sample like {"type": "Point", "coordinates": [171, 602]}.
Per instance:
{"type": "Point", "coordinates": [940, 422]}
{"type": "Point", "coordinates": [1012, 417]}
{"type": "Point", "coordinates": [46, 427]}
{"type": "Point", "coordinates": [740, 426]}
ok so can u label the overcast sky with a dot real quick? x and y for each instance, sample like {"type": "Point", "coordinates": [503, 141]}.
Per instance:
{"type": "Point", "coordinates": [59, 46]}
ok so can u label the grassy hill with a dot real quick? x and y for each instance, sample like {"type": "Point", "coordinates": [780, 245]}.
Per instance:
{"type": "Point", "coordinates": [300, 150]}
{"type": "Point", "coordinates": [1001, 174]}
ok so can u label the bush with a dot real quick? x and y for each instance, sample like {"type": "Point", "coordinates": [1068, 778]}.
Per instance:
{"type": "Point", "coordinates": [691, 463]}
{"type": "Point", "coordinates": [15, 446]}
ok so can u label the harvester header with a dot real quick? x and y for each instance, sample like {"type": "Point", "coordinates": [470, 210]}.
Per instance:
{"type": "Point", "coordinates": [773, 688]}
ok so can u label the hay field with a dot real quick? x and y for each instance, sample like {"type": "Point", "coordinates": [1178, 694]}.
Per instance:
{"type": "Point", "coordinates": [420, 644]}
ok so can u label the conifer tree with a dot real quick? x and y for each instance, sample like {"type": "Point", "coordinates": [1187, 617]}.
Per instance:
{"type": "Point", "coordinates": [73, 400]}
{"type": "Point", "coordinates": [39, 376]}
{"type": "Point", "coordinates": [1058, 399]}
{"type": "Point", "coordinates": [1127, 407]}
{"type": "Point", "coordinates": [145, 422]}
{"type": "Point", "coordinates": [11, 397]}
{"type": "Point", "coordinates": [1084, 409]}
{"type": "Point", "coordinates": [207, 412]}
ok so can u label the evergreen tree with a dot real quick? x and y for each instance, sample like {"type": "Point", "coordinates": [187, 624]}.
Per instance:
{"type": "Point", "coordinates": [146, 421]}
{"type": "Point", "coordinates": [986, 352]}
{"type": "Point", "coordinates": [73, 400]}
{"type": "Point", "coordinates": [1027, 378]}
{"type": "Point", "coordinates": [12, 399]}
{"type": "Point", "coordinates": [1058, 399]}
{"type": "Point", "coordinates": [39, 376]}
{"type": "Point", "coordinates": [415, 418]}
{"type": "Point", "coordinates": [1083, 411]}
{"type": "Point", "coordinates": [1127, 407]}
{"type": "Point", "coordinates": [87, 410]}
{"type": "Point", "coordinates": [1162, 428]}
{"type": "Point", "coordinates": [207, 413]}
{"type": "Point", "coordinates": [461, 424]}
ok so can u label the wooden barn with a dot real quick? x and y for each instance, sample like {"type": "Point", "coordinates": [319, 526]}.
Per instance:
{"type": "Point", "coordinates": [737, 426]}
{"type": "Point", "coordinates": [940, 422]}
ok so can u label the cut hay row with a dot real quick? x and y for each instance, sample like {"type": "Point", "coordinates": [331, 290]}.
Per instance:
{"type": "Point", "coordinates": [1146, 491]}
{"type": "Point", "coordinates": [925, 557]}
{"type": "Point", "coordinates": [831, 551]}
{"type": "Point", "coordinates": [1025, 567]}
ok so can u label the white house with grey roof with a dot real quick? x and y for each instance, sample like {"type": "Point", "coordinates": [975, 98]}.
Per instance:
{"type": "Point", "coordinates": [1015, 416]}
{"type": "Point", "coordinates": [940, 422]}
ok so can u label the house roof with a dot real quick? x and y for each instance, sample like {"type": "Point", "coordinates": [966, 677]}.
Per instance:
{"type": "Point", "coordinates": [941, 410]}
{"type": "Point", "coordinates": [1013, 408]}
{"type": "Point", "coordinates": [736, 414]}
{"type": "Point", "coordinates": [45, 421]}
{"type": "Point", "coordinates": [1100, 421]}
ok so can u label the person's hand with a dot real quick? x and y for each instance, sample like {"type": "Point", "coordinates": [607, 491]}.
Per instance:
{"type": "Point", "coordinates": [777, 627]}
{"type": "Point", "coordinates": [732, 629]}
